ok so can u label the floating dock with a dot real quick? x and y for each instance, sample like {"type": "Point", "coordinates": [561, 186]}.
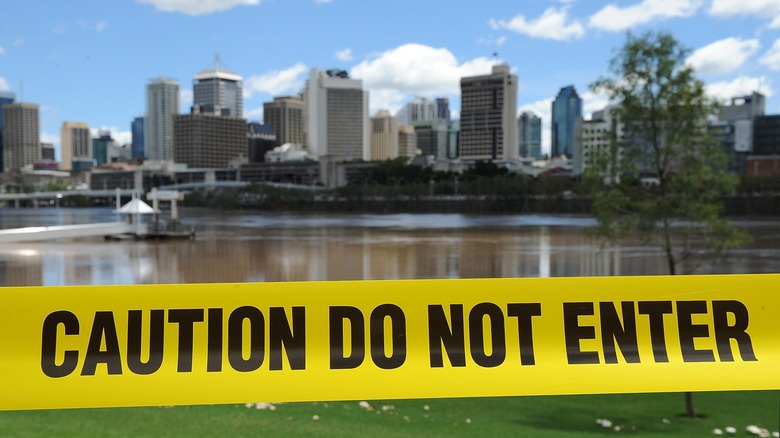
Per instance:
{"type": "Point", "coordinates": [33, 234]}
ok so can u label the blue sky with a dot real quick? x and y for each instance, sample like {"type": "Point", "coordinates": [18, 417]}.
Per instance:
{"type": "Point", "coordinates": [90, 60]}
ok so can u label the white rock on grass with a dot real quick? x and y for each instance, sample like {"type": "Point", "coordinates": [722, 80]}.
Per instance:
{"type": "Point", "coordinates": [315, 417]}
{"type": "Point", "coordinates": [776, 434]}
{"type": "Point", "coordinates": [731, 429]}
{"type": "Point", "coordinates": [717, 431]}
{"type": "Point", "coordinates": [755, 430]}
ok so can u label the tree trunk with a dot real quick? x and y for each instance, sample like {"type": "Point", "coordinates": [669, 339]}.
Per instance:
{"type": "Point", "coordinates": [690, 410]}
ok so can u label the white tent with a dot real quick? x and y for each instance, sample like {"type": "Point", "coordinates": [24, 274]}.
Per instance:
{"type": "Point", "coordinates": [136, 206]}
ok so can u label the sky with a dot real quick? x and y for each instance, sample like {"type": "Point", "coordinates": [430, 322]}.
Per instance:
{"type": "Point", "coordinates": [90, 60]}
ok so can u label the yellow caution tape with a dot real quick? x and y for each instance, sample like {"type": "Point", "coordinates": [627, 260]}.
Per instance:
{"type": "Point", "coordinates": [65, 347]}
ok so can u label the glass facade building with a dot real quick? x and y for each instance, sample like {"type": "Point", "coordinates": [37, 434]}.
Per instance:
{"type": "Point", "coordinates": [566, 108]}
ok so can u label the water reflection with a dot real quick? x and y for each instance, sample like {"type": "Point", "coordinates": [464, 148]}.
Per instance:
{"type": "Point", "coordinates": [251, 247]}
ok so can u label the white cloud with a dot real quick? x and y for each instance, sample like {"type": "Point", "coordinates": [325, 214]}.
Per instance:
{"type": "Point", "coordinates": [543, 109]}
{"type": "Point", "coordinates": [2, 50]}
{"type": "Point", "coordinates": [322, 2]}
{"type": "Point", "coordinates": [761, 8]}
{"type": "Point", "coordinates": [276, 82]}
{"type": "Point", "coordinates": [255, 114]}
{"type": "Point", "coordinates": [740, 86]}
{"type": "Point", "coordinates": [101, 26]}
{"type": "Point", "coordinates": [771, 58]}
{"type": "Point", "coordinates": [197, 7]}
{"type": "Point", "coordinates": [120, 137]}
{"type": "Point", "coordinates": [722, 56]}
{"type": "Point", "coordinates": [552, 24]}
{"type": "Point", "coordinates": [418, 69]}
{"type": "Point", "coordinates": [592, 102]}
{"type": "Point", "coordinates": [614, 18]}
{"type": "Point", "coordinates": [18, 41]}
{"type": "Point", "coordinates": [775, 23]}
{"type": "Point", "coordinates": [344, 55]}
{"type": "Point", "coordinates": [185, 99]}
{"type": "Point", "coordinates": [391, 100]}
{"type": "Point", "coordinates": [4, 85]}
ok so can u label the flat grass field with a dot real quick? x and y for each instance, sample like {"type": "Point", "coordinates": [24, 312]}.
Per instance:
{"type": "Point", "coordinates": [647, 415]}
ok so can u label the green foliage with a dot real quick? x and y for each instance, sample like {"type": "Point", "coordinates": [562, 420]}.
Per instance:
{"type": "Point", "coordinates": [664, 178]}
{"type": "Point", "coordinates": [646, 415]}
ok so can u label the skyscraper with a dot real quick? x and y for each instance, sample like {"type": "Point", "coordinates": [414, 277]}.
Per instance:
{"type": "Point", "coordinates": [285, 115]}
{"type": "Point", "coordinates": [75, 143]}
{"type": "Point", "coordinates": [566, 108]}
{"type": "Point", "coordinates": [218, 91]}
{"type": "Point", "coordinates": [443, 108]}
{"type": "Point", "coordinates": [529, 128]}
{"type": "Point", "coordinates": [337, 116]}
{"type": "Point", "coordinates": [21, 135]}
{"type": "Point", "coordinates": [162, 103]}
{"type": "Point", "coordinates": [384, 136]}
{"type": "Point", "coordinates": [209, 140]}
{"type": "Point", "coordinates": [488, 116]}
{"type": "Point", "coordinates": [5, 98]}
{"type": "Point", "coordinates": [101, 147]}
{"type": "Point", "coordinates": [419, 110]}
{"type": "Point", "coordinates": [137, 129]}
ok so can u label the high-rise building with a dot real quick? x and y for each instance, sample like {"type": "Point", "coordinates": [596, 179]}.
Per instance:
{"type": "Point", "coordinates": [566, 108]}
{"type": "Point", "coordinates": [593, 140]}
{"type": "Point", "coordinates": [102, 146]}
{"type": "Point", "coordinates": [218, 91]}
{"type": "Point", "coordinates": [419, 110]}
{"type": "Point", "coordinates": [443, 108]}
{"type": "Point", "coordinates": [138, 145]}
{"type": "Point", "coordinates": [407, 141]}
{"type": "Point", "coordinates": [529, 129]}
{"type": "Point", "coordinates": [208, 140]}
{"type": "Point", "coordinates": [766, 135]}
{"type": "Point", "coordinates": [5, 98]}
{"type": "Point", "coordinates": [743, 108]}
{"type": "Point", "coordinates": [75, 143]}
{"type": "Point", "coordinates": [337, 116]}
{"type": "Point", "coordinates": [21, 135]}
{"type": "Point", "coordinates": [285, 116]}
{"type": "Point", "coordinates": [433, 138]}
{"type": "Point", "coordinates": [260, 140]}
{"type": "Point", "coordinates": [162, 103]}
{"type": "Point", "coordinates": [384, 136]}
{"type": "Point", "coordinates": [488, 116]}
{"type": "Point", "coordinates": [47, 152]}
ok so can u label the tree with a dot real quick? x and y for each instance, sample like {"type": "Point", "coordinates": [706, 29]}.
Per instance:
{"type": "Point", "coordinates": [663, 177]}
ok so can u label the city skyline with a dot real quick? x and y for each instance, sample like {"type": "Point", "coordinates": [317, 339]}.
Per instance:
{"type": "Point", "coordinates": [90, 61]}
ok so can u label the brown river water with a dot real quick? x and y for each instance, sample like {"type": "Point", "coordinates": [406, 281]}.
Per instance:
{"type": "Point", "coordinates": [256, 246]}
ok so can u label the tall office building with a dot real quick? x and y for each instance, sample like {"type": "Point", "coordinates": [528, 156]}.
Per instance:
{"type": "Point", "coordinates": [75, 143]}
{"type": "Point", "coordinates": [5, 99]}
{"type": "Point", "coordinates": [529, 129]}
{"type": "Point", "coordinates": [488, 116]}
{"type": "Point", "coordinates": [566, 108]}
{"type": "Point", "coordinates": [21, 135]}
{"type": "Point", "coordinates": [138, 146]}
{"type": "Point", "coordinates": [102, 146]}
{"type": "Point", "coordinates": [162, 103]}
{"type": "Point", "coordinates": [443, 108]}
{"type": "Point", "coordinates": [285, 116]}
{"type": "Point", "coordinates": [209, 140]}
{"type": "Point", "coordinates": [384, 136]}
{"type": "Point", "coordinates": [218, 91]}
{"type": "Point", "coordinates": [419, 110]}
{"type": "Point", "coordinates": [407, 141]}
{"type": "Point", "coordinates": [337, 116]}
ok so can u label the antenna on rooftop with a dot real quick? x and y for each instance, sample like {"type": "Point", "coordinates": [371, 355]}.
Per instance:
{"type": "Point", "coordinates": [495, 58]}
{"type": "Point", "coordinates": [216, 61]}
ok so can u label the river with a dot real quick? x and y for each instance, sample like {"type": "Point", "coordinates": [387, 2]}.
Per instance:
{"type": "Point", "coordinates": [238, 246]}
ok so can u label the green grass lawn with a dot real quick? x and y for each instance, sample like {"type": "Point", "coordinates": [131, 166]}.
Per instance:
{"type": "Point", "coordinates": [648, 415]}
